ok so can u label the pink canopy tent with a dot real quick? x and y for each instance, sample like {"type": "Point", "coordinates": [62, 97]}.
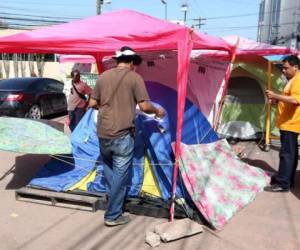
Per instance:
{"type": "Point", "coordinates": [101, 35]}
{"type": "Point", "coordinates": [247, 48]}
{"type": "Point", "coordinates": [250, 47]}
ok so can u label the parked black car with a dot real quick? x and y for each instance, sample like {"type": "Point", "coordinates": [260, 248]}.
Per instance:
{"type": "Point", "coordinates": [31, 97]}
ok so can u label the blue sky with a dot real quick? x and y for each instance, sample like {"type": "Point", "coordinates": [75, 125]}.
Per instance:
{"type": "Point", "coordinates": [223, 17]}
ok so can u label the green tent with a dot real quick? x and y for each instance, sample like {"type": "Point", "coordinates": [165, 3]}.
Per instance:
{"type": "Point", "coordinates": [245, 106]}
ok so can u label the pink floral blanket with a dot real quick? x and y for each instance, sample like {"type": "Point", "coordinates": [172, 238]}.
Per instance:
{"type": "Point", "coordinates": [219, 183]}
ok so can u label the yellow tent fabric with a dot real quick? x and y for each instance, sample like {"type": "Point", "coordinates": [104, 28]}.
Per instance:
{"type": "Point", "coordinates": [82, 184]}
{"type": "Point", "coordinates": [150, 185]}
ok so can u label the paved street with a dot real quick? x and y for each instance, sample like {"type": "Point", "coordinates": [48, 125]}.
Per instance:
{"type": "Point", "coordinates": [272, 221]}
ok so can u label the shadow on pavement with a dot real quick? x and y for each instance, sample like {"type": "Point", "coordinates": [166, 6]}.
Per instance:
{"type": "Point", "coordinates": [59, 116]}
{"type": "Point", "coordinates": [265, 166]}
{"type": "Point", "coordinates": [259, 164]}
{"type": "Point", "coordinates": [55, 121]}
{"type": "Point", "coordinates": [25, 168]}
{"type": "Point", "coordinates": [275, 148]}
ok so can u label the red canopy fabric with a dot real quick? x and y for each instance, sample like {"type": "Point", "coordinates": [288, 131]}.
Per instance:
{"type": "Point", "coordinates": [102, 35]}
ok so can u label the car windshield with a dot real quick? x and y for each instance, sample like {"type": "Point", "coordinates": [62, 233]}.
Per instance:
{"type": "Point", "coordinates": [15, 84]}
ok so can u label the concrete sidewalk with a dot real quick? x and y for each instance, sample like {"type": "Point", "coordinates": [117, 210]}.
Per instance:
{"type": "Point", "coordinates": [272, 221]}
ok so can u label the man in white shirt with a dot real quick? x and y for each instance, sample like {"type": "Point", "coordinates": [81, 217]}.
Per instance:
{"type": "Point", "coordinates": [77, 101]}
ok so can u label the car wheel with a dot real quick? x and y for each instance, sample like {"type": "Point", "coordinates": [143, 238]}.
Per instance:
{"type": "Point", "coordinates": [34, 112]}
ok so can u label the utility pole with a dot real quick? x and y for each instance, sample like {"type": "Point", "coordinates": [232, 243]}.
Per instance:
{"type": "Point", "coordinates": [184, 9]}
{"type": "Point", "coordinates": [164, 2]}
{"type": "Point", "coordinates": [99, 3]}
{"type": "Point", "coordinates": [98, 7]}
{"type": "Point", "coordinates": [199, 22]}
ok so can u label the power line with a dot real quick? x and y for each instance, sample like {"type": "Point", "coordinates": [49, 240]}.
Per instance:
{"type": "Point", "coordinates": [52, 17]}
{"type": "Point", "coordinates": [231, 28]}
{"type": "Point", "coordinates": [30, 20]}
{"type": "Point", "coordinates": [22, 9]}
{"type": "Point", "coordinates": [18, 26]}
{"type": "Point", "coordinates": [46, 4]}
{"type": "Point", "coordinates": [240, 2]}
{"type": "Point", "coordinates": [243, 15]}
{"type": "Point", "coordinates": [244, 27]}
{"type": "Point", "coordinates": [9, 25]}
{"type": "Point", "coordinates": [199, 22]}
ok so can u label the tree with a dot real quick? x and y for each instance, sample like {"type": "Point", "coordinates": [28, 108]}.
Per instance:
{"type": "Point", "coordinates": [3, 25]}
{"type": "Point", "coordinates": [6, 64]}
{"type": "Point", "coordinates": [31, 64]}
{"type": "Point", "coordinates": [40, 63]}
{"type": "Point", "coordinates": [16, 64]}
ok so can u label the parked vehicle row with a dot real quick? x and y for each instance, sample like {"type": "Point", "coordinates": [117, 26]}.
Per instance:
{"type": "Point", "coordinates": [31, 97]}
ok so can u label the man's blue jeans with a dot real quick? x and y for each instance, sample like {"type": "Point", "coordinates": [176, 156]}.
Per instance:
{"type": "Point", "coordinates": [117, 155]}
{"type": "Point", "coordinates": [288, 156]}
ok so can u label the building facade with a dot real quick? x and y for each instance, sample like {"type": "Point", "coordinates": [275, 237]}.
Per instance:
{"type": "Point", "coordinates": [279, 22]}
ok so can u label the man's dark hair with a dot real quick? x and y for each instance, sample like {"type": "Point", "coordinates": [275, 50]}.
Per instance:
{"type": "Point", "coordinates": [124, 59]}
{"type": "Point", "coordinates": [292, 60]}
{"type": "Point", "coordinates": [73, 71]}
